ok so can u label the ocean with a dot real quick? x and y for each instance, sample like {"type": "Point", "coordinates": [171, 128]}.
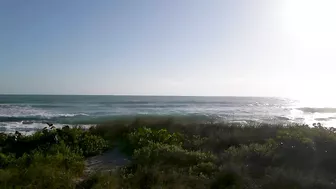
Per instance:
{"type": "Point", "coordinates": [27, 113]}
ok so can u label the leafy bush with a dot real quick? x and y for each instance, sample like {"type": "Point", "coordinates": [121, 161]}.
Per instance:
{"type": "Point", "coordinates": [5, 160]}
{"type": "Point", "coordinates": [50, 158]}
{"type": "Point", "coordinates": [92, 145]}
{"type": "Point", "coordinates": [168, 155]}
{"type": "Point", "coordinates": [145, 136]}
{"type": "Point", "coordinates": [174, 154]}
{"type": "Point", "coordinates": [100, 181]}
{"type": "Point", "coordinates": [278, 178]}
{"type": "Point", "coordinates": [38, 170]}
{"type": "Point", "coordinates": [295, 149]}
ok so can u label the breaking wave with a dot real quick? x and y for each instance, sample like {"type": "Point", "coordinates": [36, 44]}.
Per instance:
{"type": "Point", "coordinates": [317, 110]}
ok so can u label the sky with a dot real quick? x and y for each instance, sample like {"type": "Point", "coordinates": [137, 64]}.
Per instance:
{"type": "Point", "coordinates": [176, 47]}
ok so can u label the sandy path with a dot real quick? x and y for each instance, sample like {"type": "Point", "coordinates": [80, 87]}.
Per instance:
{"type": "Point", "coordinates": [107, 161]}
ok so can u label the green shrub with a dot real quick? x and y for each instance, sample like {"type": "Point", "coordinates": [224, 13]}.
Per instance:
{"type": "Point", "coordinates": [145, 136]}
{"type": "Point", "coordinates": [207, 169]}
{"type": "Point", "coordinates": [278, 178]}
{"type": "Point", "coordinates": [165, 154]}
{"type": "Point", "coordinates": [100, 181]}
{"type": "Point", "coordinates": [92, 145]}
{"type": "Point", "coordinates": [38, 170]}
{"type": "Point", "coordinates": [229, 177]}
{"type": "Point", "coordinates": [296, 149]}
{"type": "Point", "coordinates": [194, 142]}
{"type": "Point", "coordinates": [255, 157]}
{"type": "Point", "coordinates": [46, 159]}
{"type": "Point", "coordinates": [174, 154]}
{"type": "Point", "coordinates": [156, 177]}
{"type": "Point", "coordinates": [5, 160]}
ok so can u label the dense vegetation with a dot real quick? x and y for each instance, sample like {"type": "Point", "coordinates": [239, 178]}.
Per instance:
{"type": "Point", "coordinates": [174, 154]}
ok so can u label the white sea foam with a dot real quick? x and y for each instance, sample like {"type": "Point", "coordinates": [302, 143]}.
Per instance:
{"type": "Point", "coordinates": [11, 127]}
{"type": "Point", "coordinates": [29, 111]}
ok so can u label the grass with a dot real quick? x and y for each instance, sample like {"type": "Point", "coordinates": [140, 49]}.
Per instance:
{"type": "Point", "coordinates": [168, 153]}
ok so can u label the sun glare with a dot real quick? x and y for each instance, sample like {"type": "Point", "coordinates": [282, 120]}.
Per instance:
{"type": "Point", "coordinates": [312, 22]}
{"type": "Point", "coordinates": [311, 27]}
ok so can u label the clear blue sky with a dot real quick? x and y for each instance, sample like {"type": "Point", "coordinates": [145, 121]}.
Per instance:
{"type": "Point", "coordinates": [175, 47]}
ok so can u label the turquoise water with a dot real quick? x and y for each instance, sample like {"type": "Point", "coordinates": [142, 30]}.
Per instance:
{"type": "Point", "coordinates": [28, 112]}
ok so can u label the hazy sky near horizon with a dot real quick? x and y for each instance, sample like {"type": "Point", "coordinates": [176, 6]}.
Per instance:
{"type": "Point", "coordinates": [176, 47]}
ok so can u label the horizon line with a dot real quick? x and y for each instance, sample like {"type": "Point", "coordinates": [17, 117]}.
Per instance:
{"type": "Point", "coordinates": [144, 95]}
